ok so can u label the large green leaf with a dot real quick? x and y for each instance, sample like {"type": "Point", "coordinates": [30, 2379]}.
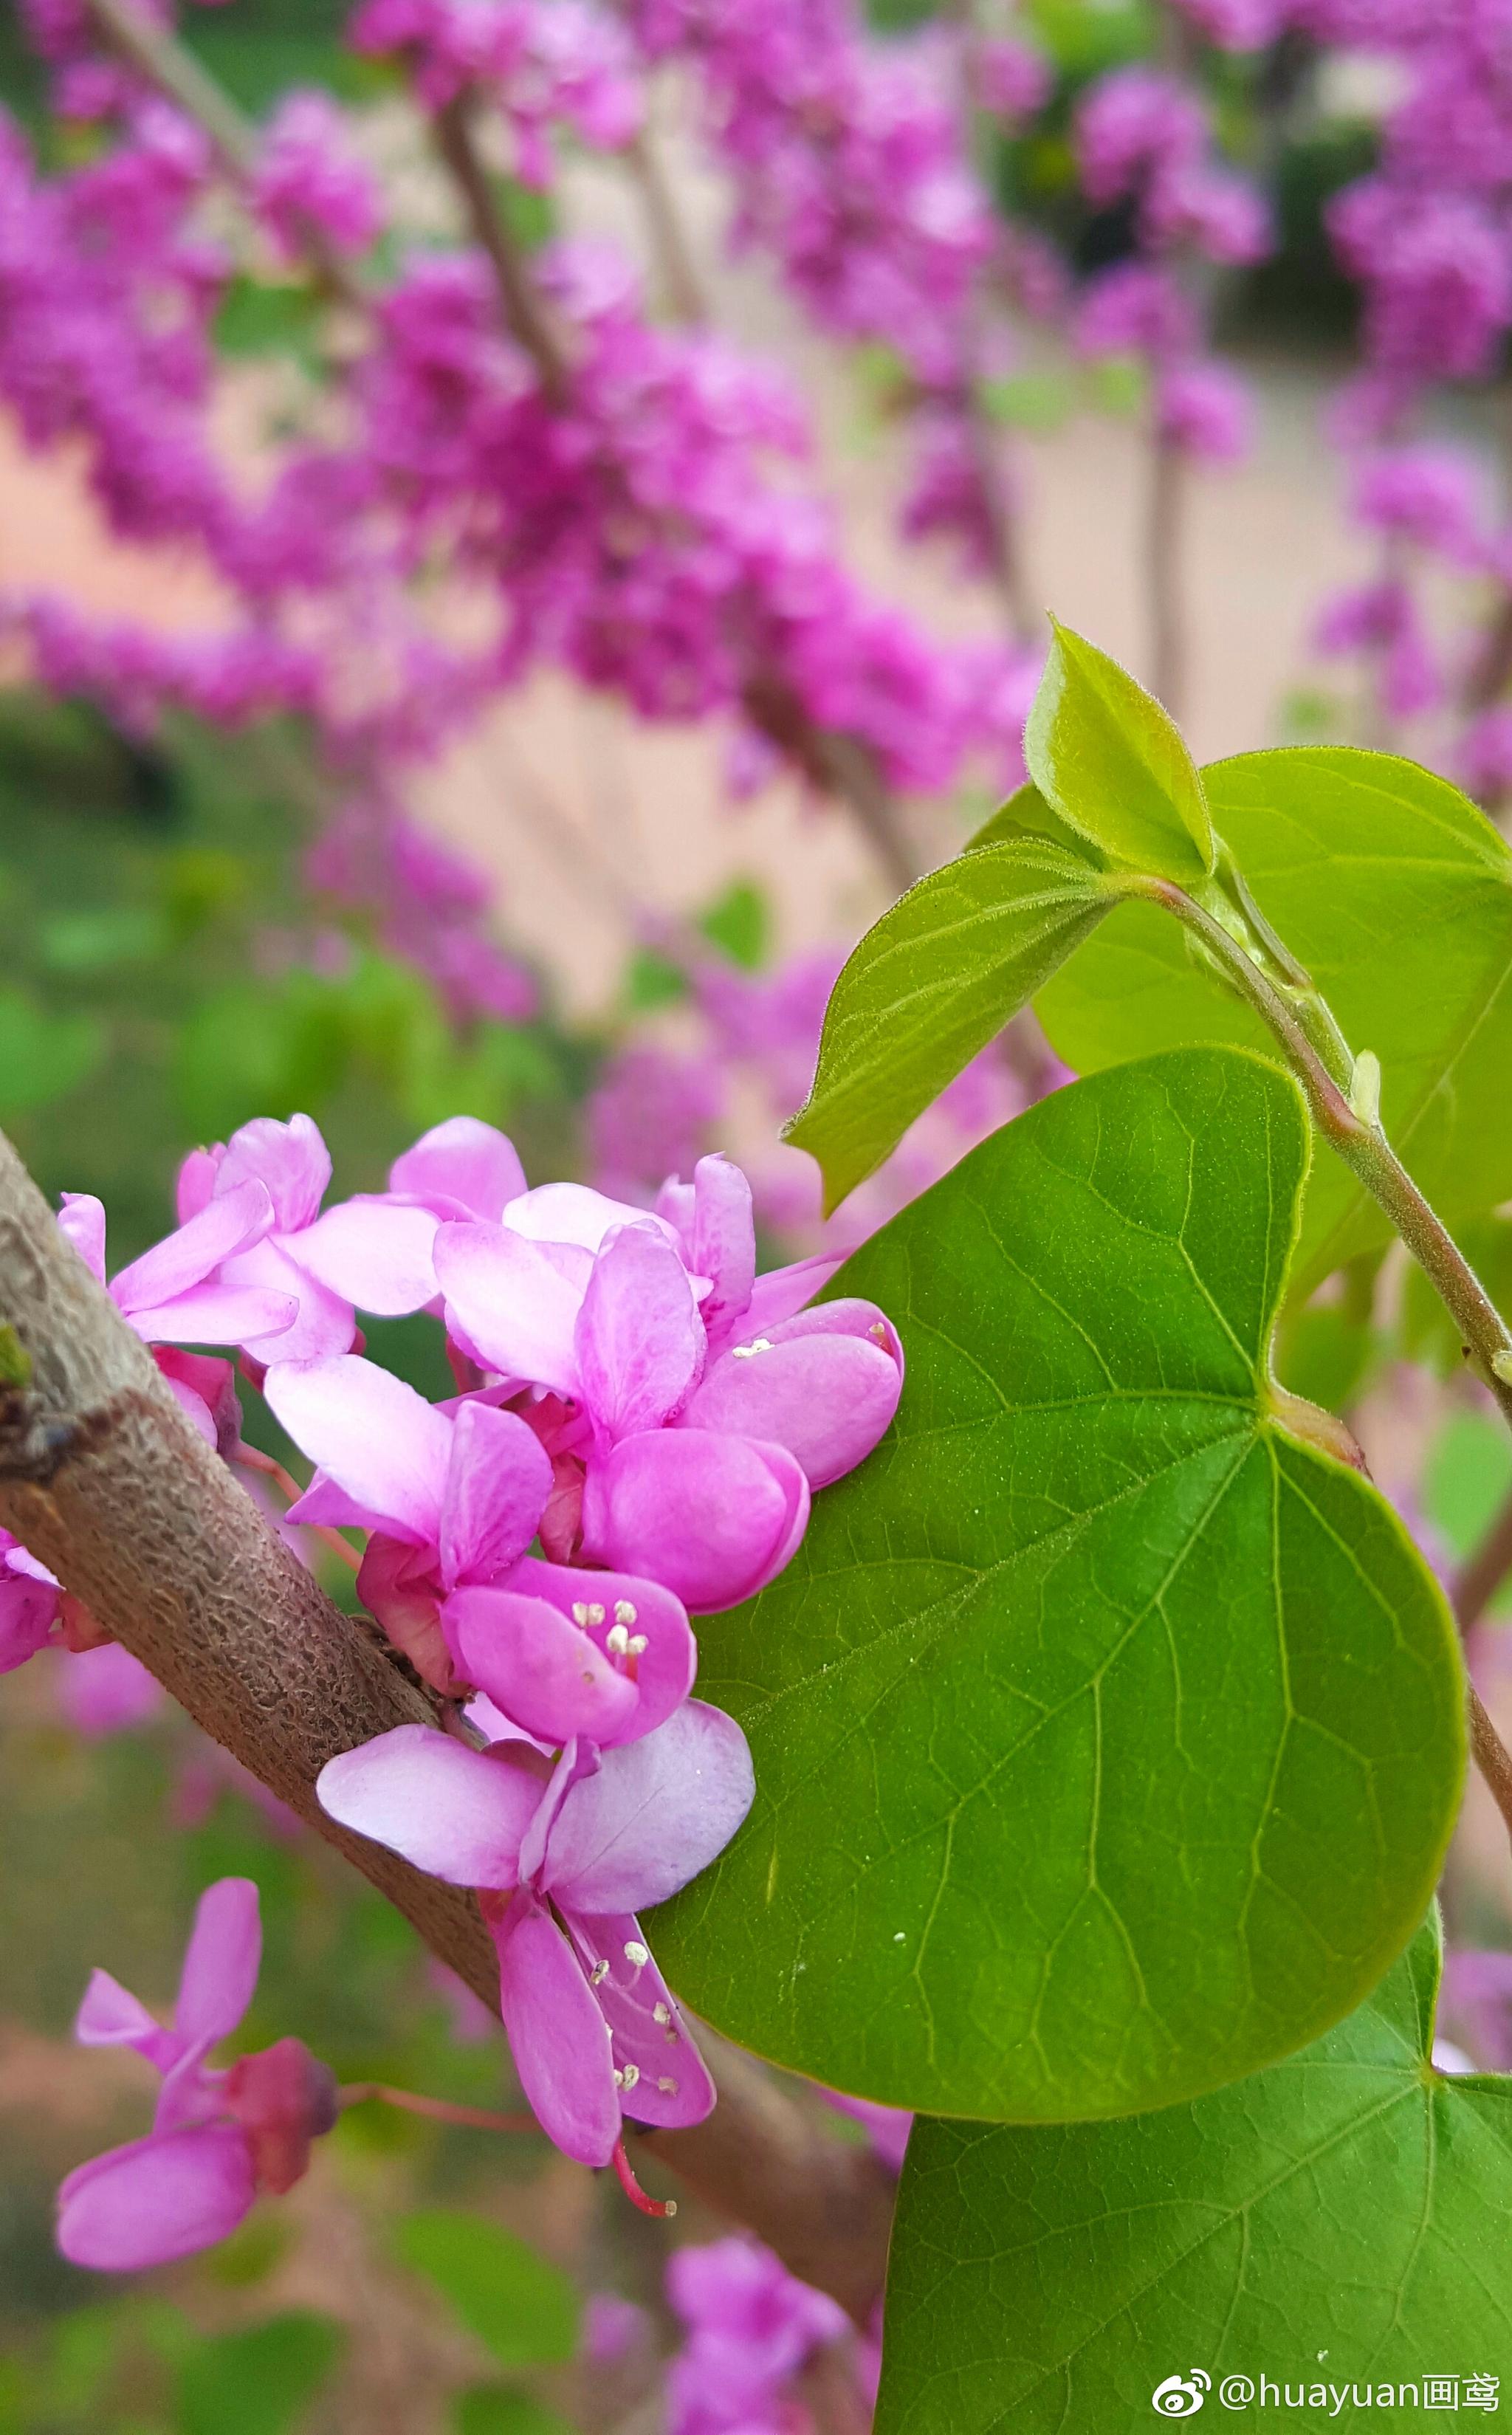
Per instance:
{"type": "Point", "coordinates": [1397, 894]}
{"type": "Point", "coordinates": [1112, 762]}
{"type": "Point", "coordinates": [929, 985]}
{"type": "Point", "coordinates": [259, 2381]}
{"type": "Point", "coordinates": [1107, 1737]}
{"type": "Point", "coordinates": [1339, 2220]}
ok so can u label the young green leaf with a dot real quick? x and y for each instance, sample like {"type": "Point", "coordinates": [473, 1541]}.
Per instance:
{"type": "Point", "coordinates": [1109, 760]}
{"type": "Point", "coordinates": [1026, 814]}
{"type": "Point", "coordinates": [1338, 2221]}
{"type": "Point", "coordinates": [1108, 1738]}
{"type": "Point", "coordinates": [1397, 894]}
{"type": "Point", "coordinates": [516, 2302]}
{"type": "Point", "coordinates": [929, 985]}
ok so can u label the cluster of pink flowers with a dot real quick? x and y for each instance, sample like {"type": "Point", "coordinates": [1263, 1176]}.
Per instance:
{"type": "Point", "coordinates": [635, 1403]}
{"type": "Point", "coordinates": [1143, 138]}
{"type": "Point", "coordinates": [749, 2329]}
{"type": "Point", "coordinates": [568, 66]}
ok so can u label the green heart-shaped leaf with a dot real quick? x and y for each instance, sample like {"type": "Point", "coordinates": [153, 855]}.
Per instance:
{"type": "Point", "coordinates": [1397, 894]}
{"type": "Point", "coordinates": [1339, 2220]}
{"type": "Point", "coordinates": [1112, 763]}
{"type": "Point", "coordinates": [1107, 1737]}
{"type": "Point", "coordinates": [929, 985]}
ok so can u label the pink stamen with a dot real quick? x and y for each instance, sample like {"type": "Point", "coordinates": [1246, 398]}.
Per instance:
{"type": "Point", "coordinates": [664, 2208]}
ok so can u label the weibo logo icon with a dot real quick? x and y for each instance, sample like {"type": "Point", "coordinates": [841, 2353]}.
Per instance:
{"type": "Point", "coordinates": [1182, 2397]}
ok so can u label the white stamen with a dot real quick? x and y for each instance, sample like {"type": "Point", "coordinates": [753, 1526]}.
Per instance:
{"type": "Point", "coordinates": [661, 2015]}
{"type": "Point", "coordinates": [619, 2079]}
{"type": "Point", "coordinates": [598, 1974]}
{"type": "Point", "coordinates": [748, 1352]}
{"type": "Point", "coordinates": [617, 1640]}
{"type": "Point", "coordinates": [629, 2076]}
{"type": "Point", "coordinates": [668, 2087]}
{"type": "Point", "coordinates": [637, 1644]}
{"type": "Point", "coordinates": [879, 1329]}
{"type": "Point", "coordinates": [580, 1615]}
{"type": "Point", "coordinates": [596, 1615]}
{"type": "Point", "coordinates": [636, 1954]}
{"type": "Point", "coordinates": [624, 1612]}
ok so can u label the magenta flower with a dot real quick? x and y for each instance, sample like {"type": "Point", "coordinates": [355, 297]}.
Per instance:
{"type": "Point", "coordinates": [453, 1497]}
{"type": "Point", "coordinates": [704, 1403]}
{"type": "Point", "coordinates": [372, 1252]}
{"type": "Point", "coordinates": [28, 1604]}
{"type": "Point", "coordinates": [750, 2326]}
{"type": "Point", "coordinates": [218, 2137]}
{"type": "Point", "coordinates": [176, 1293]}
{"type": "Point", "coordinates": [563, 1858]}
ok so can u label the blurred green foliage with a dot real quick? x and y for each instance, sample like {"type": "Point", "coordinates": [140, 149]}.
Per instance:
{"type": "Point", "coordinates": [520, 2307]}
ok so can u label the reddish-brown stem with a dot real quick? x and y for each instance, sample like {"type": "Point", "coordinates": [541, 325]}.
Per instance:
{"type": "Point", "coordinates": [252, 1458]}
{"type": "Point", "coordinates": [1492, 1758]}
{"type": "Point", "coordinates": [528, 320]}
{"type": "Point", "coordinates": [626, 2170]}
{"type": "Point", "coordinates": [435, 2109]}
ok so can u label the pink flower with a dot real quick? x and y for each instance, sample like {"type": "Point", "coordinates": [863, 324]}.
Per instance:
{"type": "Point", "coordinates": [106, 1690]}
{"type": "Point", "coordinates": [1205, 410]}
{"type": "Point", "coordinates": [1428, 495]}
{"type": "Point", "coordinates": [563, 1857]}
{"type": "Point", "coordinates": [372, 1252]}
{"type": "Point", "coordinates": [28, 1604]}
{"type": "Point", "coordinates": [307, 177]}
{"type": "Point", "coordinates": [751, 2325]}
{"type": "Point", "coordinates": [455, 1497]}
{"type": "Point", "coordinates": [218, 2136]}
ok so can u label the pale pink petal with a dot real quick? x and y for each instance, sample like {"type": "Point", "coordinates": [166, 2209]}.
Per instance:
{"type": "Point", "coordinates": [556, 2035]}
{"type": "Point", "coordinates": [220, 1963]}
{"type": "Point", "coordinates": [574, 1212]}
{"type": "Point", "coordinates": [497, 1483]}
{"type": "Point", "coordinates": [373, 1252]}
{"type": "Point", "coordinates": [462, 1168]}
{"type": "Point", "coordinates": [398, 1584]}
{"type": "Point", "coordinates": [714, 1517]}
{"type": "Point", "coordinates": [197, 1181]}
{"type": "Point", "coordinates": [724, 1238]}
{"type": "Point", "coordinates": [639, 1338]}
{"type": "Point", "coordinates": [373, 1435]}
{"type": "Point", "coordinates": [216, 1314]}
{"type": "Point", "coordinates": [821, 1386]}
{"type": "Point", "coordinates": [325, 1502]}
{"type": "Point", "coordinates": [516, 1301]}
{"type": "Point", "coordinates": [643, 1611]}
{"type": "Point", "coordinates": [82, 1219]}
{"type": "Point", "coordinates": [668, 2080]}
{"type": "Point", "coordinates": [185, 1258]}
{"type": "Point", "coordinates": [195, 1411]}
{"type": "Point", "coordinates": [538, 1667]}
{"type": "Point", "coordinates": [158, 2199]}
{"type": "Point", "coordinates": [323, 1323]}
{"type": "Point", "coordinates": [106, 1690]}
{"type": "Point", "coordinates": [781, 1292]}
{"type": "Point", "coordinates": [290, 1160]}
{"type": "Point", "coordinates": [110, 2016]}
{"type": "Point", "coordinates": [455, 1813]}
{"type": "Point", "coordinates": [654, 1814]}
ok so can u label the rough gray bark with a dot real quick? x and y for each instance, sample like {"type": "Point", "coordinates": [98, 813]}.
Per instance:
{"type": "Point", "coordinates": [103, 1479]}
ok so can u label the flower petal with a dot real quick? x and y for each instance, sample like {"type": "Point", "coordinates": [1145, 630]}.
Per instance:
{"type": "Point", "coordinates": [497, 1482]}
{"type": "Point", "coordinates": [663, 1668]}
{"type": "Point", "coordinates": [82, 1219]}
{"type": "Point", "coordinates": [639, 1339]}
{"type": "Point", "coordinates": [517, 1302]}
{"type": "Point", "coordinates": [649, 2040]}
{"type": "Point", "coordinates": [323, 1325]}
{"type": "Point", "coordinates": [110, 2016]}
{"type": "Point", "coordinates": [216, 1314]}
{"type": "Point", "coordinates": [461, 1169]}
{"type": "Point", "coordinates": [27, 1609]}
{"type": "Point", "coordinates": [374, 1435]}
{"type": "Point", "coordinates": [825, 1384]}
{"type": "Point", "coordinates": [556, 2034]}
{"type": "Point", "coordinates": [781, 1292]}
{"type": "Point", "coordinates": [542, 1672]}
{"type": "Point", "coordinates": [374, 1252]}
{"type": "Point", "coordinates": [654, 1814]}
{"type": "Point", "coordinates": [574, 1212]}
{"type": "Point", "coordinates": [714, 1517]}
{"type": "Point", "coordinates": [456, 1813]}
{"type": "Point", "coordinates": [724, 1238]}
{"type": "Point", "coordinates": [220, 1963]}
{"type": "Point", "coordinates": [226, 1225]}
{"type": "Point", "coordinates": [291, 1160]}
{"type": "Point", "coordinates": [158, 2199]}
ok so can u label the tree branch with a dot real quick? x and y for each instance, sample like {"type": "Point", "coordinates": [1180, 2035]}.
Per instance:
{"type": "Point", "coordinates": [527, 319]}
{"type": "Point", "coordinates": [103, 1478]}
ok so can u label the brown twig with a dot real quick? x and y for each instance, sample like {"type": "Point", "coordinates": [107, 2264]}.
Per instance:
{"type": "Point", "coordinates": [525, 313]}
{"type": "Point", "coordinates": [681, 283]}
{"type": "Point", "coordinates": [1482, 1573]}
{"type": "Point", "coordinates": [1492, 1758]}
{"type": "Point", "coordinates": [103, 1478]}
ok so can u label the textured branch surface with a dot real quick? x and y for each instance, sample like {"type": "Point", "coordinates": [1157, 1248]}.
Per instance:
{"type": "Point", "coordinates": [103, 1479]}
